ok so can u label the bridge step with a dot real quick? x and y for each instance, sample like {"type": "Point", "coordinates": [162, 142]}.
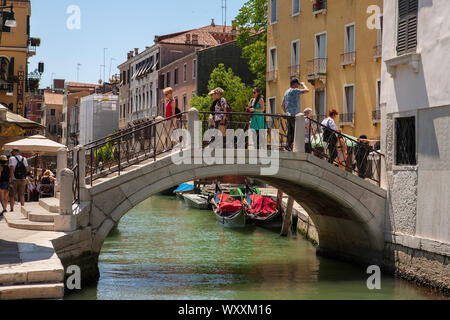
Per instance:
{"type": "Point", "coordinates": [36, 272]}
{"type": "Point", "coordinates": [34, 291]}
{"type": "Point", "coordinates": [18, 221]}
{"type": "Point", "coordinates": [34, 212]}
{"type": "Point", "coordinates": [50, 204]}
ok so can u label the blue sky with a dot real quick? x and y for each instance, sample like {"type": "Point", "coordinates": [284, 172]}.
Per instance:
{"type": "Point", "coordinates": [117, 25]}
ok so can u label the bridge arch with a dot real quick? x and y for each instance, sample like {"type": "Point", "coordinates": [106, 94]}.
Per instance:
{"type": "Point", "coordinates": [348, 212]}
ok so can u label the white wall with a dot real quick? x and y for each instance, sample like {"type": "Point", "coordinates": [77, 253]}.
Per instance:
{"type": "Point", "coordinates": [418, 196]}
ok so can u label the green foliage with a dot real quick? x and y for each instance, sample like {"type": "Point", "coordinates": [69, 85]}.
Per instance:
{"type": "Point", "coordinates": [252, 25]}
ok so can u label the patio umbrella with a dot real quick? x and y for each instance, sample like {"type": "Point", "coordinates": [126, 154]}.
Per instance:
{"type": "Point", "coordinates": [35, 144]}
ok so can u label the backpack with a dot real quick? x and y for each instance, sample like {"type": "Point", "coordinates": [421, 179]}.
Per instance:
{"type": "Point", "coordinates": [20, 172]}
{"type": "Point", "coordinates": [328, 133]}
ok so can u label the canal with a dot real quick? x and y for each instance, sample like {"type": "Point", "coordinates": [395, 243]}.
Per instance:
{"type": "Point", "coordinates": [163, 250]}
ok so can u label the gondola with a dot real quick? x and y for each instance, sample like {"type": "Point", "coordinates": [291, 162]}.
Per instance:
{"type": "Point", "coordinates": [262, 211]}
{"type": "Point", "coordinates": [184, 188]}
{"type": "Point", "coordinates": [229, 213]}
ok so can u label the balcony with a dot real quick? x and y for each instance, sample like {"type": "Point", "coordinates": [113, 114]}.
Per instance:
{"type": "Point", "coordinates": [376, 116]}
{"type": "Point", "coordinates": [347, 118]}
{"type": "Point", "coordinates": [319, 6]}
{"type": "Point", "coordinates": [294, 71]}
{"type": "Point", "coordinates": [272, 76]}
{"type": "Point", "coordinates": [378, 52]}
{"type": "Point", "coordinates": [348, 58]}
{"type": "Point", "coordinates": [317, 70]}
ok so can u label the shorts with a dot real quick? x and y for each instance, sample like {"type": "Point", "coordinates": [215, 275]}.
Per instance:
{"type": "Point", "coordinates": [4, 185]}
{"type": "Point", "coordinates": [19, 187]}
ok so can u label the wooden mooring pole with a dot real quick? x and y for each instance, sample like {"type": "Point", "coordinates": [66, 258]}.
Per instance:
{"type": "Point", "coordinates": [287, 217]}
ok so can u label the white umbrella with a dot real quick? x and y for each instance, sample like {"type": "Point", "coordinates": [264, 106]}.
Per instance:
{"type": "Point", "coordinates": [35, 144]}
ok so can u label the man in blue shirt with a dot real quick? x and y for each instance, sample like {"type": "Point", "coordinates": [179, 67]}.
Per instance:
{"type": "Point", "coordinates": [291, 106]}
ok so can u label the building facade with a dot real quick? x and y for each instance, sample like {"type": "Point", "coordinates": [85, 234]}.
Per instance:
{"type": "Point", "coordinates": [415, 104]}
{"type": "Point", "coordinates": [335, 48]}
{"type": "Point", "coordinates": [35, 101]}
{"type": "Point", "coordinates": [52, 115]}
{"type": "Point", "coordinates": [15, 48]}
{"type": "Point", "coordinates": [73, 92]}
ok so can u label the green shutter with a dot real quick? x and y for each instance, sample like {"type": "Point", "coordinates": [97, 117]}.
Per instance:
{"type": "Point", "coordinates": [407, 26]}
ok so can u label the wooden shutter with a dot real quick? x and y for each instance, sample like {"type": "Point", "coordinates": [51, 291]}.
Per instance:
{"type": "Point", "coordinates": [407, 26]}
{"type": "Point", "coordinates": [11, 68]}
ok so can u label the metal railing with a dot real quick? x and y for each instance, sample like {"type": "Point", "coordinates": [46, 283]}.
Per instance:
{"type": "Point", "coordinates": [294, 70]}
{"type": "Point", "coordinates": [348, 57]}
{"type": "Point", "coordinates": [352, 155]}
{"type": "Point", "coordinates": [347, 117]}
{"type": "Point", "coordinates": [271, 75]}
{"type": "Point", "coordinates": [317, 67]}
{"type": "Point", "coordinates": [120, 151]}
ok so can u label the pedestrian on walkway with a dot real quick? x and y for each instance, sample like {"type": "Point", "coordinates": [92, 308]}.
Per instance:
{"type": "Point", "coordinates": [291, 106]}
{"type": "Point", "coordinates": [18, 166]}
{"type": "Point", "coordinates": [4, 183]}
{"type": "Point", "coordinates": [329, 134]}
{"type": "Point", "coordinates": [308, 130]}
{"type": "Point", "coordinates": [221, 107]}
{"type": "Point", "coordinates": [257, 108]}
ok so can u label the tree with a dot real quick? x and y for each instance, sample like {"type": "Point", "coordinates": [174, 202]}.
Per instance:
{"type": "Point", "coordinates": [236, 92]}
{"type": "Point", "coordinates": [251, 23]}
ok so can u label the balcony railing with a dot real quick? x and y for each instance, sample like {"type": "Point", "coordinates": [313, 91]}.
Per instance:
{"type": "Point", "coordinates": [348, 58]}
{"type": "Point", "coordinates": [319, 5]}
{"type": "Point", "coordinates": [294, 70]}
{"type": "Point", "coordinates": [271, 75]}
{"type": "Point", "coordinates": [317, 69]}
{"type": "Point", "coordinates": [376, 116]}
{"type": "Point", "coordinates": [347, 118]}
{"type": "Point", "coordinates": [378, 51]}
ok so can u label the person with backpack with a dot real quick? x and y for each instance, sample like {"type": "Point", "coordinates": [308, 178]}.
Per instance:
{"type": "Point", "coordinates": [329, 135]}
{"type": "Point", "coordinates": [18, 177]}
{"type": "Point", "coordinates": [4, 183]}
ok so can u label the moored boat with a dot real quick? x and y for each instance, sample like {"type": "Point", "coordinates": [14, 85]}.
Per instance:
{"type": "Point", "coordinates": [262, 211]}
{"type": "Point", "coordinates": [197, 201]}
{"type": "Point", "coordinates": [183, 189]}
{"type": "Point", "coordinates": [229, 213]}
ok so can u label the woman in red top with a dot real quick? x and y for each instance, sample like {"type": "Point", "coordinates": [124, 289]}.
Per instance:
{"type": "Point", "coordinates": [170, 103]}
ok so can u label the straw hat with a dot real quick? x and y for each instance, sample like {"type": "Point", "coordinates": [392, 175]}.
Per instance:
{"type": "Point", "coordinates": [3, 158]}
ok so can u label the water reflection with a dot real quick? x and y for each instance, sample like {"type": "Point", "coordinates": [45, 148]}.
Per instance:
{"type": "Point", "coordinates": [163, 250]}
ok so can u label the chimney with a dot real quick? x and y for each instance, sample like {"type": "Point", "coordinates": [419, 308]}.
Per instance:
{"type": "Point", "coordinates": [136, 51]}
{"type": "Point", "coordinates": [188, 38]}
{"type": "Point", "coordinates": [195, 39]}
{"type": "Point", "coordinates": [213, 23]}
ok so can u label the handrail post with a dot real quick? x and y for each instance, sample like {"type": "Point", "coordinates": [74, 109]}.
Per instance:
{"type": "Point", "coordinates": [194, 129]}
{"type": "Point", "coordinates": [299, 138]}
{"type": "Point", "coordinates": [66, 196]}
{"type": "Point", "coordinates": [61, 165]}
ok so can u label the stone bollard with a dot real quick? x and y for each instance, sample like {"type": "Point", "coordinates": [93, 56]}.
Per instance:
{"type": "Point", "coordinates": [299, 138]}
{"type": "Point", "coordinates": [61, 164]}
{"type": "Point", "coordinates": [66, 221]}
{"type": "Point", "coordinates": [66, 197]}
{"type": "Point", "coordinates": [194, 129]}
{"type": "Point", "coordinates": [82, 166]}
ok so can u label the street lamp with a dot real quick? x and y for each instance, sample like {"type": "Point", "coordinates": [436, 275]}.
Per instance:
{"type": "Point", "coordinates": [10, 21]}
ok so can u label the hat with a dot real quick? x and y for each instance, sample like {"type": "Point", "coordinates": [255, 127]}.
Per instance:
{"type": "Point", "coordinates": [3, 158]}
{"type": "Point", "coordinates": [15, 150]}
{"type": "Point", "coordinates": [295, 81]}
{"type": "Point", "coordinates": [211, 93]}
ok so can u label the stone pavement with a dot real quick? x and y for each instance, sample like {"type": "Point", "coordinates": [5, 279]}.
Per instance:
{"type": "Point", "coordinates": [29, 266]}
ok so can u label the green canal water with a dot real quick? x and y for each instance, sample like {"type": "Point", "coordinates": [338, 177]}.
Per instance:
{"type": "Point", "coordinates": [163, 250]}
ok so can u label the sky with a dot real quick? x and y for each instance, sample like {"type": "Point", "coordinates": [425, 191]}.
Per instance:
{"type": "Point", "coordinates": [119, 26]}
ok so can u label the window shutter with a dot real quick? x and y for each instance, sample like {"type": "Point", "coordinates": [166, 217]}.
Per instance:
{"type": "Point", "coordinates": [11, 68]}
{"type": "Point", "coordinates": [407, 26]}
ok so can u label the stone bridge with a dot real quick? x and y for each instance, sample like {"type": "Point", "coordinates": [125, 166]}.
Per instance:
{"type": "Point", "coordinates": [349, 212]}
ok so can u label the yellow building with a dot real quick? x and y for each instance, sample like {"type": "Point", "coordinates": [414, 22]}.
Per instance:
{"type": "Point", "coordinates": [334, 47]}
{"type": "Point", "coordinates": [14, 53]}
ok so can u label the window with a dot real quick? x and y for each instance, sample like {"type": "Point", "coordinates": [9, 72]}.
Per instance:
{"type": "Point", "coordinates": [39, 106]}
{"type": "Point", "coordinates": [38, 120]}
{"type": "Point", "coordinates": [272, 65]}
{"type": "Point", "coordinates": [349, 44]}
{"type": "Point", "coordinates": [349, 100]}
{"type": "Point", "coordinates": [52, 112]}
{"type": "Point", "coordinates": [273, 11]}
{"type": "Point", "coordinates": [405, 141]}
{"type": "Point", "coordinates": [175, 76]}
{"type": "Point", "coordinates": [407, 26]}
{"type": "Point", "coordinates": [380, 32]}
{"type": "Point", "coordinates": [378, 94]}
{"type": "Point", "coordinates": [185, 72]}
{"type": "Point", "coordinates": [295, 7]}
{"type": "Point", "coordinates": [272, 105]}
{"type": "Point", "coordinates": [194, 69]}
{"type": "Point", "coordinates": [184, 102]}
{"type": "Point", "coordinates": [319, 5]}
{"type": "Point", "coordinates": [168, 79]}
{"type": "Point", "coordinates": [321, 46]}
{"type": "Point", "coordinates": [320, 104]}
{"type": "Point", "coordinates": [295, 59]}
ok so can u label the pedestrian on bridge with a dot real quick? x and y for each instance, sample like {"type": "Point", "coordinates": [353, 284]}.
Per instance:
{"type": "Point", "coordinates": [330, 135]}
{"type": "Point", "coordinates": [257, 108]}
{"type": "Point", "coordinates": [291, 106]}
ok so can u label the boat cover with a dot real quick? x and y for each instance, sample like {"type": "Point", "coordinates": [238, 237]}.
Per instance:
{"type": "Point", "coordinates": [263, 206]}
{"type": "Point", "coordinates": [184, 188]}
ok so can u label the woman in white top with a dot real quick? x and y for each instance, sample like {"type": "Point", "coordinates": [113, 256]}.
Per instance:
{"type": "Point", "coordinates": [332, 139]}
